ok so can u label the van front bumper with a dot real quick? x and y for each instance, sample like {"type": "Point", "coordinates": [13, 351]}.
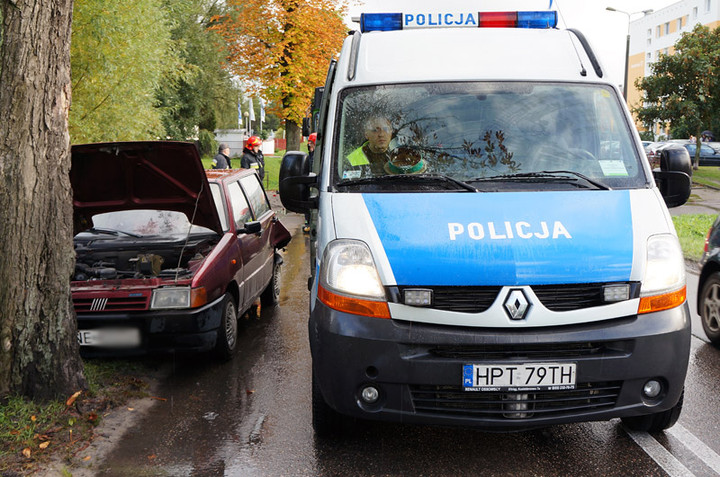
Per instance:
{"type": "Point", "coordinates": [418, 368]}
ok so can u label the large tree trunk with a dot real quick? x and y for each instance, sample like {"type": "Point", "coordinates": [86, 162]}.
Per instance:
{"type": "Point", "coordinates": [293, 134]}
{"type": "Point", "coordinates": [38, 346]}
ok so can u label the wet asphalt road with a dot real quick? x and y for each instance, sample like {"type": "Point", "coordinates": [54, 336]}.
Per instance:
{"type": "Point", "coordinates": [251, 417]}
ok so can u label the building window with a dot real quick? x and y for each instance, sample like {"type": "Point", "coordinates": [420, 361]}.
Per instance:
{"type": "Point", "coordinates": [707, 5]}
{"type": "Point", "coordinates": [667, 28]}
{"type": "Point", "coordinates": [649, 32]}
{"type": "Point", "coordinates": [649, 56]}
{"type": "Point", "coordinates": [694, 13]}
{"type": "Point", "coordinates": [658, 32]}
{"type": "Point", "coordinates": [679, 20]}
{"type": "Point", "coordinates": [649, 41]}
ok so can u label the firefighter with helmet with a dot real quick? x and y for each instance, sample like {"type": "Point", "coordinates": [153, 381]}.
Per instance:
{"type": "Point", "coordinates": [252, 157]}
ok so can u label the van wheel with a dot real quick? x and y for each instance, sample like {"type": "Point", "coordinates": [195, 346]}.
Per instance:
{"type": "Point", "coordinates": [326, 421]}
{"type": "Point", "coordinates": [655, 422]}
{"type": "Point", "coordinates": [227, 338]}
{"type": "Point", "coordinates": [271, 293]}
{"type": "Point", "coordinates": [710, 308]}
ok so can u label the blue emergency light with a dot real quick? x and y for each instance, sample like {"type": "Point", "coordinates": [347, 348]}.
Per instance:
{"type": "Point", "coordinates": [399, 21]}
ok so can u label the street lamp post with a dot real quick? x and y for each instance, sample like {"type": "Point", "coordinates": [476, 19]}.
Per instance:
{"type": "Point", "coordinates": [627, 43]}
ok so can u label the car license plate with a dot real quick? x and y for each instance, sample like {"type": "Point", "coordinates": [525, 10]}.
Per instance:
{"type": "Point", "coordinates": [519, 377]}
{"type": "Point", "coordinates": [110, 337]}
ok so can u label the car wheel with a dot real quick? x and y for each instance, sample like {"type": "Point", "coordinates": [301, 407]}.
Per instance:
{"type": "Point", "coordinates": [326, 421]}
{"type": "Point", "coordinates": [710, 308]}
{"type": "Point", "coordinates": [227, 338]}
{"type": "Point", "coordinates": [655, 422]}
{"type": "Point", "coordinates": [271, 293]}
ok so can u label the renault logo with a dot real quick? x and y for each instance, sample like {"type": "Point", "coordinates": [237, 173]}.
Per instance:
{"type": "Point", "coordinates": [516, 304]}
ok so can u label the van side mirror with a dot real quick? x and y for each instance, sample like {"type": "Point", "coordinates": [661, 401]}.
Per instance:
{"type": "Point", "coordinates": [306, 127]}
{"type": "Point", "coordinates": [295, 182]}
{"type": "Point", "coordinates": [676, 158]}
{"type": "Point", "coordinates": [674, 186]}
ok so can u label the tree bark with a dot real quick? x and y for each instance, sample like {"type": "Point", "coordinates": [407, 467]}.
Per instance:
{"type": "Point", "coordinates": [292, 134]}
{"type": "Point", "coordinates": [39, 355]}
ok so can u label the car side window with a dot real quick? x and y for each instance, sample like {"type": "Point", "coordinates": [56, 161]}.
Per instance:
{"type": "Point", "coordinates": [218, 199]}
{"type": "Point", "coordinates": [255, 195]}
{"type": "Point", "coordinates": [239, 204]}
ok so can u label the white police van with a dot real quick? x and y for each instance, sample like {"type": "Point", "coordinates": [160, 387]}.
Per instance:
{"type": "Point", "coordinates": [490, 247]}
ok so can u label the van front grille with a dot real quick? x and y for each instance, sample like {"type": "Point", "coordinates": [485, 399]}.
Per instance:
{"type": "Point", "coordinates": [453, 401]}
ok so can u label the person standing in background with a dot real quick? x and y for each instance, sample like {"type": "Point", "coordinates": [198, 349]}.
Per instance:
{"type": "Point", "coordinates": [253, 157]}
{"type": "Point", "coordinates": [222, 158]}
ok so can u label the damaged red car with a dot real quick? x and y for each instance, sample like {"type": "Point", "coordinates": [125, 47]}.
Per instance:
{"type": "Point", "coordinates": [168, 255]}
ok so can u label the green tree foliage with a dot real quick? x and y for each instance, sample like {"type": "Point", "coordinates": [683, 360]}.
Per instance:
{"type": "Point", "coordinates": [199, 94]}
{"type": "Point", "coordinates": [119, 53]}
{"type": "Point", "coordinates": [683, 90]}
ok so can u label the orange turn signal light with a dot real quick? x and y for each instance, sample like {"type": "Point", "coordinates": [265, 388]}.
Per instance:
{"type": "Point", "coordinates": [198, 297]}
{"type": "Point", "coordinates": [356, 306]}
{"type": "Point", "coordinates": [649, 304]}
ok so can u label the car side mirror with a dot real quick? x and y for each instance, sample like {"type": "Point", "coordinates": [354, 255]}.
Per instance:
{"type": "Point", "coordinates": [254, 227]}
{"type": "Point", "coordinates": [295, 182]}
{"type": "Point", "coordinates": [676, 158]}
{"type": "Point", "coordinates": [674, 186]}
{"type": "Point", "coordinates": [306, 127]}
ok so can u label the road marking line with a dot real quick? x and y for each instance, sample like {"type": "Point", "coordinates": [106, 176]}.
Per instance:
{"type": "Point", "coordinates": [659, 454]}
{"type": "Point", "coordinates": [696, 446]}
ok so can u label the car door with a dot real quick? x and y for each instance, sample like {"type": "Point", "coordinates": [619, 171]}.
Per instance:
{"type": "Point", "coordinates": [247, 243]}
{"type": "Point", "coordinates": [263, 251]}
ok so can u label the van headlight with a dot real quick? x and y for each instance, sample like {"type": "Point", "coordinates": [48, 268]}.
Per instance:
{"type": "Point", "coordinates": [349, 280]}
{"type": "Point", "coordinates": [663, 286]}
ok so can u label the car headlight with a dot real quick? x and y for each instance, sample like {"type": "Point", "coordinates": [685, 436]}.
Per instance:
{"type": "Point", "coordinates": [349, 280]}
{"type": "Point", "coordinates": [170, 297]}
{"type": "Point", "coordinates": [663, 286]}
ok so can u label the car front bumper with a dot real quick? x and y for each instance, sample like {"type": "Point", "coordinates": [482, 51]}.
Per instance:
{"type": "Point", "coordinates": [417, 368]}
{"type": "Point", "coordinates": [161, 331]}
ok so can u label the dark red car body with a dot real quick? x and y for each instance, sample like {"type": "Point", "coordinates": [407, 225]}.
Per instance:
{"type": "Point", "coordinates": [154, 288]}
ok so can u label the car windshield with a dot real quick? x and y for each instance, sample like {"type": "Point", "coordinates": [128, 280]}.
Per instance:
{"type": "Point", "coordinates": [489, 136]}
{"type": "Point", "coordinates": [145, 222]}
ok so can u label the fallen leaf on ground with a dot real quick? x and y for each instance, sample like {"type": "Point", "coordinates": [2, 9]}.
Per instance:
{"type": "Point", "coordinates": [44, 445]}
{"type": "Point", "coordinates": [152, 457]}
{"type": "Point", "coordinates": [131, 409]}
{"type": "Point", "coordinates": [87, 458]}
{"type": "Point", "coordinates": [33, 418]}
{"type": "Point", "coordinates": [26, 452]}
{"type": "Point", "coordinates": [72, 398]}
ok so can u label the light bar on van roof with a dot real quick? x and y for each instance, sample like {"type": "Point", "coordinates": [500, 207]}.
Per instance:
{"type": "Point", "coordinates": [400, 21]}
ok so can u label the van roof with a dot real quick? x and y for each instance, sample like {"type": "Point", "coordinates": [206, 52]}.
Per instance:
{"type": "Point", "coordinates": [464, 54]}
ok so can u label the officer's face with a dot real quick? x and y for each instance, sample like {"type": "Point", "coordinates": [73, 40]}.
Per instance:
{"type": "Point", "coordinates": [378, 133]}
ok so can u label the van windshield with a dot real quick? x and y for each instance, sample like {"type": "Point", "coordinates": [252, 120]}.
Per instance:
{"type": "Point", "coordinates": [489, 136]}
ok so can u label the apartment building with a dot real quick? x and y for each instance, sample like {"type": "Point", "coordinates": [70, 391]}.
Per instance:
{"type": "Point", "coordinates": [657, 32]}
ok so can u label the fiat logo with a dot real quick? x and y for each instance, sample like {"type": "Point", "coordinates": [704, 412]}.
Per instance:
{"type": "Point", "coordinates": [516, 304]}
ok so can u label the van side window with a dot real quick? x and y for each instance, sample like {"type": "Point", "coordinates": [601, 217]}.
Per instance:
{"type": "Point", "coordinates": [238, 202]}
{"type": "Point", "coordinates": [255, 195]}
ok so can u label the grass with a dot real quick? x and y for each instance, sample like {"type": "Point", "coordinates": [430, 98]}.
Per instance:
{"type": "Point", "coordinates": [692, 230]}
{"type": "Point", "coordinates": [31, 434]}
{"type": "Point", "coordinates": [707, 176]}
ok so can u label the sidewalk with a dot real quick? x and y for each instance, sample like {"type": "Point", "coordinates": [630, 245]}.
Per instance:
{"type": "Point", "coordinates": [703, 200]}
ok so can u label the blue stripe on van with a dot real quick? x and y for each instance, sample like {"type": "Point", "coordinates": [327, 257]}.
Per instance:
{"type": "Point", "coordinates": [505, 238]}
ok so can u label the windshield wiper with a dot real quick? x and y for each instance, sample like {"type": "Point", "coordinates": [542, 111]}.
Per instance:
{"type": "Point", "coordinates": [544, 176]}
{"type": "Point", "coordinates": [96, 230]}
{"type": "Point", "coordinates": [402, 178]}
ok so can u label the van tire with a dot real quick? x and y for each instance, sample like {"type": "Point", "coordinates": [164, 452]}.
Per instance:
{"type": "Point", "coordinates": [710, 308]}
{"type": "Point", "coordinates": [227, 335]}
{"type": "Point", "coordinates": [326, 421]}
{"type": "Point", "coordinates": [655, 422]}
{"type": "Point", "coordinates": [271, 294]}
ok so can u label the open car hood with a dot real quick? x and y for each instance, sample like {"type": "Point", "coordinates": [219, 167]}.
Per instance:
{"type": "Point", "coordinates": [159, 175]}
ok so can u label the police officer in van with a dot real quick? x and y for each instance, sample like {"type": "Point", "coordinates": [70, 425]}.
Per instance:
{"type": "Point", "coordinates": [374, 153]}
